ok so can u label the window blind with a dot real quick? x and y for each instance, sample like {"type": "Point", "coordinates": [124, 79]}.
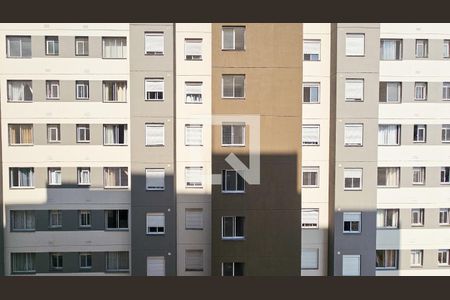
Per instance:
{"type": "Point", "coordinates": [352, 173]}
{"type": "Point", "coordinates": [194, 218]}
{"type": "Point", "coordinates": [194, 260]}
{"type": "Point", "coordinates": [310, 135]}
{"type": "Point", "coordinates": [154, 134]}
{"type": "Point", "coordinates": [309, 258]}
{"type": "Point", "coordinates": [310, 217]}
{"type": "Point", "coordinates": [354, 44]}
{"type": "Point", "coordinates": [193, 134]}
{"type": "Point", "coordinates": [155, 220]}
{"type": "Point", "coordinates": [194, 176]}
{"type": "Point", "coordinates": [154, 179]}
{"type": "Point", "coordinates": [311, 47]}
{"type": "Point", "coordinates": [353, 134]}
{"type": "Point", "coordinates": [193, 47]}
{"type": "Point", "coordinates": [154, 42]}
{"type": "Point", "coordinates": [354, 89]}
{"type": "Point", "coordinates": [155, 266]}
{"type": "Point", "coordinates": [350, 265]}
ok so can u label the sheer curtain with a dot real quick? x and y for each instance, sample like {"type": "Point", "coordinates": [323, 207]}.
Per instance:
{"type": "Point", "coordinates": [121, 92]}
{"type": "Point", "coordinates": [109, 134]}
{"type": "Point", "coordinates": [111, 177]}
{"type": "Point", "coordinates": [388, 49]}
{"type": "Point", "coordinates": [16, 90]}
{"type": "Point", "coordinates": [387, 135]}
{"type": "Point", "coordinates": [25, 177]}
{"type": "Point", "coordinates": [27, 134]}
{"type": "Point", "coordinates": [392, 176]}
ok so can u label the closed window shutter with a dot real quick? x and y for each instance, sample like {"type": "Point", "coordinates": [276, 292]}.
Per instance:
{"type": "Point", "coordinates": [310, 135]}
{"type": "Point", "coordinates": [310, 216]}
{"type": "Point", "coordinates": [350, 265]}
{"type": "Point", "coordinates": [352, 173]}
{"type": "Point", "coordinates": [311, 47]}
{"type": "Point", "coordinates": [155, 179]}
{"type": "Point", "coordinates": [154, 85]}
{"type": "Point", "coordinates": [354, 89]}
{"type": "Point", "coordinates": [194, 134]}
{"type": "Point", "coordinates": [193, 88]}
{"type": "Point", "coordinates": [354, 44]}
{"type": "Point", "coordinates": [194, 219]}
{"type": "Point", "coordinates": [194, 260]}
{"type": "Point", "coordinates": [155, 220]}
{"type": "Point", "coordinates": [154, 134]}
{"type": "Point", "coordinates": [309, 258]}
{"type": "Point", "coordinates": [353, 134]}
{"type": "Point", "coordinates": [154, 43]}
{"type": "Point", "coordinates": [352, 217]}
{"type": "Point", "coordinates": [194, 176]}
{"type": "Point", "coordinates": [193, 48]}
{"type": "Point", "coordinates": [156, 266]}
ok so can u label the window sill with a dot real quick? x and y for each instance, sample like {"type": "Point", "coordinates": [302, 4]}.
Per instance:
{"type": "Point", "coordinates": [114, 58]}
{"type": "Point", "coordinates": [21, 145]}
{"type": "Point", "coordinates": [233, 192]}
{"type": "Point", "coordinates": [158, 234]}
{"type": "Point", "coordinates": [233, 145]}
{"type": "Point", "coordinates": [355, 55]}
{"type": "Point", "coordinates": [154, 54]}
{"type": "Point", "coordinates": [115, 145]}
{"type": "Point", "coordinates": [353, 190]}
{"type": "Point", "coordinates": [84, 227]}
{"type": "Point", "coordinates": [194, 145]}
{"type": "Point", "coordinates": [354, 145]}
{"type": "Point", "coordinates": [52, 99]}
{"type": "Point", "coordinates": [351, 232]}
{"type": "Point", "coordinates": [21, 187]}
{"type": "Point", "coordinates": [116, 229]}
{"type": "Point", "coordinates": [310, 186]}
{"type": "Point", "coordinates": [193, 59]}
{"type": "Point", "coordinates": [417, 225]}
{"type": "Point", "coordinates": [82, 99]}
{"type": "Point", "coordinates": [20, 101]}
{"type": "Point", "coordinates": [117, 271]}
{"type": "Point", "coordinates": [416, 266]}
{"type": "Point", "coordinates": [23, 230]}
{"type": "Point", "coordinates": [386, 269]}
{"type": "Point", "coordinates": [233, 98]}
{"type": "Point", "coordinates": [233, 50]}
{"type": "Point", "coordinates": [310, 228]}
{"type": "Point", "coordinates": [193, 102]}
{"type": "Point", "coordinates": [116, 187]}
{"type": "Point", "coordinates": [194, 187]}
{"type": "Point", "coordinates": [84, 184]}
{"type": "Point", "coordinates": [311, 145]}
{"type": "Point", "coordinates": [113, 101]}
{"type": "Point", "coordinates": [83, 142]}
{"type": "Point", "coordinates": [310, 102]}
{"type": "Point", "coordinates": [154, 100]}
{"type": "Point", "coordinates": [156, 145]}
{"type": "Point", "coordinates": [390, 102]}
{"type": "Point", "coordinates": [387, 228]}
{"type": "Point", "coordinates": [233, 238]}
{"type": "Point", "coordinates": [155, 190]}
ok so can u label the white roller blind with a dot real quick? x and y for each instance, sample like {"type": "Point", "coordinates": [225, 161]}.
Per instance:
{"type": "Point", "coordinates": [154, 85]}
{"type": "Point", "coordinates": [193, 47]}
{"type": "Point", "coordinates": [353, 134]}
{"type": "Point", "coordinates": [309, 258]}
{"type": "Point", "coordinates": [352, 216]}
{"type": "Point", "coordinates": [193, 87]}
{"type": "Point", "coordinates": [350, 265]}
{"type": "Point", "coordinates": [354, 44]}
{"type": "Point", "coordinates": [154, 179]}
{"type": "Point", "coordinates": [154, 134]}
{"type": "Point", "coordinates": [311, 47]}
{"type": "Point", "coordinates": [310, 216]}
{"type": "Point", "coordinates": [194, 260]}
{"type": "Point", "coordinates": [193, 134]}
{"type": "Point", "coordinates": [156, 266]}
{"type": "Point", "coordinates": [155, 220]}
{"type": "Point", "coordinates": [354, 89]}
{"type": "Point", "coordinates": [352, 173]}
{"type": "Point", "coordinates": [194, 176]}
{"type": "Point", "coordinates": [194, 219]}
{"type": "Point", "coordinates": [154, 42]}
{"type": "Point", "coordinates": [310, 135]}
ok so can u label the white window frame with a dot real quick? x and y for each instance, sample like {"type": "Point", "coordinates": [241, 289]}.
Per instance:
{"type": "Point", "coordinates": [353, 187]}
{"type": "Point", "coordinates": [120, 186]}
{"type": "Point", "coordinates": [53, 129]}
{"type": "Point", "coordinates": [234, 76]}
{"type": "Point", "coordinates": [194, 184]}
{"type": "Point", "coordinates": [80, 172]}
{"type": "Point", "coordinates": [20, 38]}
{"type": "Point", "coordinates": [310, 251]}
{"type": "Point", "coordinates": [24, 84]}
{"type": "Point", "coordinates": [312, 41]}
{"type": "Point", "coordinates": [117, 253]}
{"type": "Point", "coordinates": [234, 268]}
{"type": "Point", "coordinates": [224, 182]}
{"type": "Point", "coordinates": [446, 171]}
{"type": "Point", "coordinates": [122, 44]}
{"type": "Point", "coordinates": [87, 133]}
{"type": "Point", "coordinates": [82, 90]}
{"type": "Point", "coordinates": [20, 186]}
{"type": "Point", "coordinates": [311, 170]}
{"type": "Point", "coordinates": [148, 91]}
{"type": "Point", "coordinates": [233, 48]}
{"type": "Point", "coordinates": [354, 38]}
{"type": "Point", "coordinates": [420, 212]}
{"type": "Point", "coordinates": [446, 49]}
{"type": "Point", "coordinates": [52, 89]}
{"type": "Point", "coordinates": [351, 217]}
{"type": "Point", "coordinates": [114, 85]}
{"type": "Point", "coordinates": [445, 253]}
{"type": "Point", "coordinates": [84, 214]}
{"type": "Point", "coordinates": [444, 213]}
{"type": "Point", "coordinates": [199, 96]}
{"type": "Point", "coordinates": [52, 40]}
{"type": "Point", "coordinates": [390, 267]}
{"type": "Point", "coordinates": [57, 171]}
{"type": "Point", "coordinates": [310, 218]}
{"type": "Point", "coordinates": [311, 142]}
{"type": "Point", "coordinates": [193, 57]}
{"type": "Point", "coordinates": [384, 214]}
{"type": "Point", "coordinates": [161, 128]}
{"type": "Point", "coordinates": [421, 46]}
{"type": "Point", "coordinates": [160, 230]}
{"type": "Point", "coordinates": [159, 52]}
{"type": "Point", "coordinates": [420, 173]}
{"type": "Point", "coordinates": [234, 127]}
{"type": "Point", "coordinates": [398, 134]}
{"type": "Point", "coordinates": [19, 128]}
{"type": "Point", "coordinates": [118, 214]}
{"type": "Point", "coordinates": [420, 88]}
{"type": "Point", "coordinates": [55, 218]}
{"type": "Point", "coordinates": [116, 128]}
{"type": "Point", "coordinates": [29, 220]}
{"type": "Point", "coordinates": [311, 85]}
{"type": "Point", "coordinates": [234, 235]}
{"type": "Point", "coordinates": [187, 127]}
{"type": "Point", "coordinates": [354, 81]}
{"type": "Point", "coordinates": [397, 85]}
{"type": "Point", "coordinates": [417, 130]}
{"type": "Point", "coordinates": [84, 260]}
{"type": "Point", "coordinates": [59, 260]}
{"type": "Point", "coordinates": [397, 179]}
{"type": "Point", "coordinates": [398, 42]}
{"type": "Point", "coordinates": [81, 42]}
{"type": "Point", "coordinates": [348, 142]}
{"type": "Point", "coordinates": [149, 187]}
{"type": "Point", "coordinates": [445, 133]}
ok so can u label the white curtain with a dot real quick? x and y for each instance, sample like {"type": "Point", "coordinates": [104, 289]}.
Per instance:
{"type": "Point", "coordinates": [388, 134]}
{"type": "Point", "coordinates": [16, 90]}
{"type": "Point", "coordinates": [25, 177]}
{"type": "Point", "coordinates": [392, 176]}
{"type": "Point", "coordinates": [393, 89]}
{"type": "Point", "coordinates": [388, 49]}
{"type": "Point", "coordinates": [114, 47]}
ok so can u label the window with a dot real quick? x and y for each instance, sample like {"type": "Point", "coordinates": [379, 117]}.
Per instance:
{"type": "Point", "coordinates": [233, 86]}
{"type": "Point", "coordinates": [418, 175]}
{"type": "Point", "coordinates": [117, 261]}
{"type": "Point", "coordinates": [194, 177]}
{"type": "Point", "coordinates": [193, 135]}
{"type": "Point", "coordinates": [416, 258]}
{"type": "Point", "coordinates": [193, 49]}
{"type": "Point", "coordinates": [310, 259]}
{"type": "Point", "coordinates": [54, 133]}
{"type": "Point", "coordinates": [352, 222]}
{"type": "Point", "coordinates": [388, 176]}
{"type": "Point", "coordinates": [444, 216]}
{"type": "Point", "coordinates": [56, 261]}
{"type": "Point", "coordinates": [81, 46]}
{"type": "Point", "coordinates": [23, 262]}
{"type": "Point", "coordinates": [387, 218]}
{"type": "Point", "coordinates": [155, 223]}
{"type": "Point", "coordinates": [445, 133]}
{"type": "Point", "coordinates": [115, 134]}
{"type": "Point", "coordinates": [18, 46]}
{"type": "Point", "coordinates": [85, 218]}
{"type": "Point", "coordinates": [311, 92]}
{"type": "Point", "coordinates": [84, 176]}
{"type": "Point", "coordinates": [233, 38]}
{"type": "Point", "coordinates": [420, 91]}
{"type": "Point", "coordinates": [443, 256]}
{"type": "Point", "coordinates": [233, 227]}
{"type": "Point", "coordinates": [446, 91]}
{"type": "Point", "coordinates": [233, 134]}
{"type": "Point", "coordinates": [155, 179]}
{"type": "Point", "coordinates": [154, 89]}
{"type": "Point", "coordinates": [114, 47]}
{"type": "Point", "coordinates": [55, 219]}
{"type": "Point", "coordinates": [353, 134]}
{"type": "Point", "coordinates": [446, 50]}
{"type": "Point", "coordinates": [388, 135]}
{"type": "Point", "coordinates": [154, 134]}
{"type": "Point", "coordinates": [21, 177]}
{"type": "Point", "coordinates": [52, 89]}
{"type": "Point", "coordinates": [417, 216]}
{"type": "Point", "coordinates": [387, 259]}
{"type": "Point", "coordinates": [445, 175]}
{"type": "Point", "coordinates": [310, 218]}
{"type": "Point", "coordinates": [310, 176]}
{"type": "Point", "coordinates": [232, 182]}
{"type": "Point", "coordinates": [390, 92]}
{"type": "Point", "coordinates": [23, 220]}
{"type": "Point", "coordinates": [351, 265]}
{"type": "Point", "coordinates": [156, 266]}
{"type": "Point", "coordinates": [116, 219]}
{"type": "Point", "coordinates": [354, 89]}
{"type": "Point", "coordinates": [420, 133]}
{"type": "Point", "coordinates": [391, 49]}
{"type": "Point", "coordinates": [114, 91]}
{"type": "Point", "coordinates": [54, 176]}
{"type": "Point", "coordinates": [194, 261]}
{"type": "Point", "coordinates": [115, 177]}
{"type": "Point", "coordinates": [232, 269]}
{"type": "Point", "coordinates": [82, 90]}
{"type": "Point", "coordinates": [20, 134]}
{"type": "Point", "coordinates": [354, 44]}
{"type": "Point", "coordinates": [51, 45]}
{"type": "Point", "coordinates": [193, 91]}
{"type": "Point", "coordinates": [85, 260]}
{"type": "Point", "coordinates": [353, 179]}
{"type": "Point", "coordinates": [311, 50]}
{"type": "Point", "coordinates": [310, 135]}
{"type": "Point", "coordinates": [154, 43]}
{"type": "Point", "coordinates": [194, 218]}
{"type": "Point", "coordinates": [83, 133]}
{"type": "Point", "coordinates": [421, 48]}
{"type": "Point", "coordinates": [20, 90]}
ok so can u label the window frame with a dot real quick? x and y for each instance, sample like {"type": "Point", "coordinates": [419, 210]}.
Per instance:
{"type": "Point", "coordinates": [50, 176]}
{"type": "Point", "coordinates": [28, 214]}
{"type": "Point", "coordinates": [52, 214]}
{"type": "Point", "coordinates": [155, 125]}
{"type": "Point", "coordinates": [120, 186]}
{"type": "Point", "coordinates": [80, 170]}
{"type": "Point", "coordinates": [398, 177]}
{"type": "Point", "coordinates": [421, 85]}
{"type": "Point", "coordinates": [447, 254]}
{"type": "Point", "coordinates": [59, 260]}
{"type": "Point", "coordinates": [85, 41]}
{"type": "Point", "coordinates": [52, 39]}
{"type": "Point", "coordinates": [224, 188]}
{"type": "Point", "coordinates": [421, 217]}
{"type": "Point", "coordinates": [319, 56]}
{"type": "Point", "coordinates": [24, 84]}
{"type": "Point", "coordinates": [386, 84]}
{"type": "Point", "coordinates": [30, 258]}
{"type": "Point", "coordinates": [352, 188]}
{"type": "Point", "coordinates": [122, 45]}
{"type": "Point", "coordinates": [186, 126]}
{"type": "Point", "coordinates": [304, 225]}
{"type": "Point", "coordinates": [49, 85]}
{"type": "Point", "coordinates": [364, 44]}
{"type": "Point", "coordinates": [424, 45]}
{"type": "Point", "coordinates": [114, 86]}
{"type": "Point", "coordinates": [118, 253]}
{"type": "Point", "coordinates": [234, 235]}
{"type": "Point", "coordinates": [195, 185]}
{"type": "Point", "coordinates": [359, 125]}
{"type": "Point", "coordinates": [398, 135]}
{"type": "Point", "coordinates": [316, 250]}
{"type": "Point", "coordinates": [417, 128]}
{"type": "Point", "coordinates": [19, 128]}
{"type": "Point", "coordinates": [354, 80]}
{"type": "Point", "coordinates": [86, 128]}
{"type": "Point", "coordinates": [422, 175]}
{"type": "Point", "coordinates": [233, 127]}
{"type": "Point", "coordinates": [244, 38]}
{"type": "Point", "coordinates": [396, 262]}
{"type": "Point", "coordinates": [193, 83]}
{"type": "Point", "coordinates": [445, 170]}
{"type": "Point", "coordinates": [116, 129]}
{"type": "Point", "coordinates": [316, 126]}
{"type": "Point", "coordinates": [18, 169]}
{"type": "Point", "coordinates": [234, 97]}
{"type": "Point", "coordinates": [233, 264]}
{"type": "Point", "coordinates": [359, 222]}
{"type": "Point", "coordinates": [312, 169]}
{"type": "Point", "coordinates": [81, 213]}
{"type": "Point", "coordinates": [445, 133]}
{"type": "Point", "coordinates": [85, 254]}
{"type": "Point", "coordinates": [398, 43]}
{"type": "Point", "coordinates": [84, 84]}
{"type": "Point", "coordinates": [157, 232]}
{"type": "Point", "coordinates": [117, 217]}
{"type": "Point", "coordinates": [155, 188]}
{"type": "Point", "coordinates": [147, 92]}
{"type": "Point", "coordinates": [311, 85]}
{"type": "Point", "coordinates": [395, 221]}
{"type": "Point", "coordinates": [158, 34]}
{"type": "Point", "coordinates": [445, 211]}
{"type": "Point", "coordinates": [57, 130]}
{"type": "Point", "coordinates": [18, 37]}
{"type": "Point", "coordinates": [193, 57]}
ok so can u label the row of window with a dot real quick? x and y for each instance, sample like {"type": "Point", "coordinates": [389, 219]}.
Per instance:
{"type": "Point", "coordinates": [390, 49]}
{"type": "Point", "coordinates": [386, 177]}
{"type": "Point", "coordinates": [390, 92]}
{"type": "Point", "coordinates": [388, 134]}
